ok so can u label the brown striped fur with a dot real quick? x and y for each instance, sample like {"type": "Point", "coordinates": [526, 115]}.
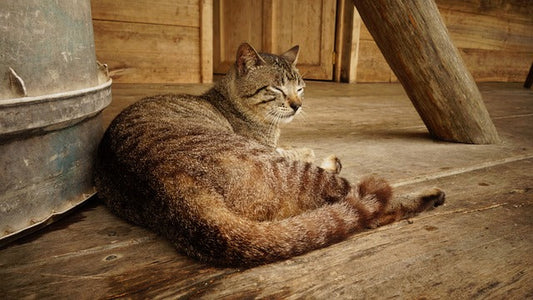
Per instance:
{"type": "Point", "coordinates": [204, 172]}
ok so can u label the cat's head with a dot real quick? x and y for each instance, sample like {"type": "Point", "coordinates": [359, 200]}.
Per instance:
{"type": "Point", "coordinates": [268, 85]}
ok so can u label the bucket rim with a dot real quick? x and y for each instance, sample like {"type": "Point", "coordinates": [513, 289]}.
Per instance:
{"type": "Point", "coordinates": [32, 115]}
{"type": "Point", "coordinates": [53, 97]}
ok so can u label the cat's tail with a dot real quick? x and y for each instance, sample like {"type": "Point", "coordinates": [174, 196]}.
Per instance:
{"type": "Point", "coordinates": [219, 236]}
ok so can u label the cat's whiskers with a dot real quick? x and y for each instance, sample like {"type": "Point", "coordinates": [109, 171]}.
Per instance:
{"type": "Point", "coordinates": [302, 116]}
{"type": "Point", "coordinates": [274, 121]}
{"type": "Point", "coordinates": [276, 117]}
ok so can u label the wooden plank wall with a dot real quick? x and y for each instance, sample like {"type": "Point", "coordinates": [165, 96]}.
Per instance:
{"type": "Point", "coordinates": [154, 41]}
{"type": "Point", "coordinates": [495, 39]}
{"type": "Point", "coordinates": [170, 41]}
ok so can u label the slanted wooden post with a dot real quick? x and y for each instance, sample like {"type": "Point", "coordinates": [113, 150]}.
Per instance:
{"type": "Point", "coordinates": [412, 37]}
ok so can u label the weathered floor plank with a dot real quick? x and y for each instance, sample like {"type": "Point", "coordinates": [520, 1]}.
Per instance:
{"type": "Point", "coordinates": [476, 246]}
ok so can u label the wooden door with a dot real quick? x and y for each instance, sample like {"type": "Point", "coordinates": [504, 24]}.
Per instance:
{"type": "Point", "coordinates": [275, 26]}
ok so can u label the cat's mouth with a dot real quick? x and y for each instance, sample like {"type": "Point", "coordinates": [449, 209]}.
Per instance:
{"type": "Point", "coordinates": [284, 116]}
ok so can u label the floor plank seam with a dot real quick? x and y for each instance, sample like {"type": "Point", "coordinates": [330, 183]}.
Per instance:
{"type": "Point", "coordinates": [484, 165]}
{"type": "Point", "coordinates": [463, 211]}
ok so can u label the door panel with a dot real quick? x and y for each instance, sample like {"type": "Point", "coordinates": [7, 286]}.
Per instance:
{"type": "Point", "coordinates": [275, 26]}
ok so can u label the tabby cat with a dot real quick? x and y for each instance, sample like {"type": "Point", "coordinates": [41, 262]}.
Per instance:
{"type": "Point", "coordinates": [204, 171]}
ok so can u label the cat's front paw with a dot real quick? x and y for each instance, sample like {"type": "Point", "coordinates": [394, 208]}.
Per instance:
{"type": "Point", "coordinates": [332, 164]}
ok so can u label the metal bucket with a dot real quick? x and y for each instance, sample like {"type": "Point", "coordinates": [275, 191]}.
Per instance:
{"type": "Point", "coordinates": [52, 93]}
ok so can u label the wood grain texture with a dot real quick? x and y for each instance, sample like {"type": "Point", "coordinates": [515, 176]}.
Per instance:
{"type": "Point", "coordinates": [162, 12]}
{"type": "Point", "coordinates": [415, 43]}
{"type": "Point", "coordinates": [231, 29]}
{"type": "Point", "coordinates": [137, 52]}
{"type": "Point", "coordinates": [310, 24]}
{"type": "Point", "coordinates": [493, 37]}
{"type": "Point", "coordinates": [275, 26]}
{"type": "Point", "coordinates": [155, 41]}
{"type": "Point", "coordinates": [372, 66]}
{"type": "Point", "coordinates": [206, 41]}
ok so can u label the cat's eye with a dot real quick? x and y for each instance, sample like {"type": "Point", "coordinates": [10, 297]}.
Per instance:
{"type": "Point", "coordinates": [299, 90]}
{"type": "Point", "coordinates": [278, 90]}
{"type": "Point", "coordinates": [268, 100]}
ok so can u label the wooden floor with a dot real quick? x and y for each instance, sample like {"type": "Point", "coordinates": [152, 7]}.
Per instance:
{"type": "Point", "coordinates": [479, 245]}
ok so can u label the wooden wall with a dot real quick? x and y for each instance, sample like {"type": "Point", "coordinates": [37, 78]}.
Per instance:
{"type": "Point", "coordinates": [171, 41]}
{"type": "Point", "coordinates": [154, 41]}
{"type": "Point", "coordinates": [494, 37]}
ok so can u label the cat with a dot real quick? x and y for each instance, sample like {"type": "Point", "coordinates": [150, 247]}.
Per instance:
{"type": "Point", "coordinates": [206, 173]}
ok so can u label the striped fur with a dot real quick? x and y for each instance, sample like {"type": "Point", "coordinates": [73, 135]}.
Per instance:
{"type": "Point", "coordinates": [204, 172]}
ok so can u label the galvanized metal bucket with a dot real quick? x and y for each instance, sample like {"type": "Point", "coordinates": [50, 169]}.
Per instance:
{"type": "Point", "coordinates": [52, 92]}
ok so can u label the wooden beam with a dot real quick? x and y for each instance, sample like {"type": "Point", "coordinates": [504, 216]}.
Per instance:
{"type": "Point", "coordinates": [346, 42]}
{"type": "Point", "coordinates": [414, 41]}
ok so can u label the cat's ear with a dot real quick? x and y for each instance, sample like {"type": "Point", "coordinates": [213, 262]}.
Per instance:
{"type": "Point", "coordinates": [292, 55]}
{"type": "Point", "coordinates": [247, 58]}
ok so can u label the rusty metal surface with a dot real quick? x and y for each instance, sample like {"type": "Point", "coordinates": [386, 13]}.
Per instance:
{"type": "Point", "coordinates": [52, 92]}
{"type": "Point", "coordinates": [48, 45]}
{"type": "Point", "coordinates": [47, 166]}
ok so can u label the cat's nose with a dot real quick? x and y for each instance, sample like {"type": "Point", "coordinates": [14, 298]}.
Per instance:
{"type": "Point", "coordinates": [295, 106]}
